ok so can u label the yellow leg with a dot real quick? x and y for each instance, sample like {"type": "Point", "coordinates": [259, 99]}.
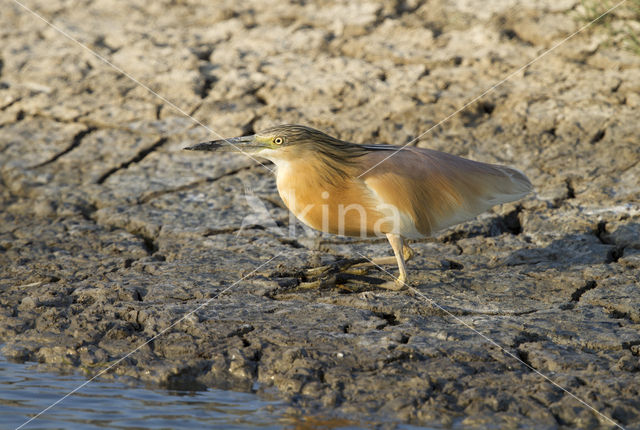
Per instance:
{"type": "Point", "coordinates": [407, 252]}
{"type": "Point", "coordinates": [397, 243]}
{"type": "Point", "coordinates": [379, 261]}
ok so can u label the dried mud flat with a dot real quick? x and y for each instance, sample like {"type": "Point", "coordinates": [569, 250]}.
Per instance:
{"type": "Point", "coordinates": [110, 233]}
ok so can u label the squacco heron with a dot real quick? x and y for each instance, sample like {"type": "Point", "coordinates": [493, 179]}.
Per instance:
{"type": "Point", "coordinates": [376, 190]}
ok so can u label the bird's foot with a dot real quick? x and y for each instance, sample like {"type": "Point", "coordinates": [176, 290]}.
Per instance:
{"type": "Point", "coordinates": [330, 275]}
{"type": "Point", "coordinates": [319, 282]}
{"type": "Point", "coordinates": [347, 271]}
{"type": "Point", "coordinates": [396, 285]}
{"type": "Point", "coordinates": [345, 265]}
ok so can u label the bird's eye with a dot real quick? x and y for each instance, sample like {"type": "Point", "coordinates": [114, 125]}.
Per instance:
{"type": "Point", "coordinates": [278, 141]}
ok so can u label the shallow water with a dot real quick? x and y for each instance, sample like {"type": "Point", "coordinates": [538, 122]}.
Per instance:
{"type": "Point", "coordinates": [24, 392]}
{"type": "Point", "coordinates": [115, 405]}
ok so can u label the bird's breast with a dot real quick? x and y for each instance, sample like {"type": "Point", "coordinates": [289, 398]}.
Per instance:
{"type": "Point", "coordinates": [337, 204]}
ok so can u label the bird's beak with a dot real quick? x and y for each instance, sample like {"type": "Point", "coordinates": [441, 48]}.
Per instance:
{"type": "Point", "coordinates": [233, 144]}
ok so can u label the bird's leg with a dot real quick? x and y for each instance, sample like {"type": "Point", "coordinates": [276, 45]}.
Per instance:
{"type": "Point", "coordinates": [407, 253]}
{"type": "Point", "coordinates": [320, 275]}
{"type": "Point", "coordinates": [379, 261]}
{"type": "Point", "coordinates": [339, 266]}
{"type": "Point", "coordinates": [397, 243]}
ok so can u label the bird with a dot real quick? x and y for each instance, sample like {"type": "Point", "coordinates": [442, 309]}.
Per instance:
{"type": "Point", "coordinates": [376, 190]}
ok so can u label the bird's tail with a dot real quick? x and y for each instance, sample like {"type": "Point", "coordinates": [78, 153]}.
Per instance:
{"type": "Point", "coordinates": [512, 185]}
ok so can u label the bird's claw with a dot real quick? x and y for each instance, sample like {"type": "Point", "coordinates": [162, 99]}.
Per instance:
{"type": "Point", "coordinates": [396, 285]}
{"type": "Point", "coordinates": [335, 274]}
{"type": "Point", "coordinates": [344, 265]}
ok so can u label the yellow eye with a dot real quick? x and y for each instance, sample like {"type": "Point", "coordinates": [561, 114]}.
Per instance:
{"type": "Point", "coordinates": [278, 141]}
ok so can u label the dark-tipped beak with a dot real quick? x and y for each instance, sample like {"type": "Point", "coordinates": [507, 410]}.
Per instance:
{"type": "Point", "coordinates": [224, 145]}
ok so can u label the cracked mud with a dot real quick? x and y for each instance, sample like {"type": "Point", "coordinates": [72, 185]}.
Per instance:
{"type": "Point", "coordinates": [110, 233]}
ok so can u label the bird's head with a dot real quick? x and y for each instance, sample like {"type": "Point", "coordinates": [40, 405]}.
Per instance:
{"type": "Point", "coordinates": [282, 141]}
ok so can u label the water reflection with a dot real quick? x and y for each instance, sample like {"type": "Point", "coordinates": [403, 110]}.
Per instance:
{"type": "Point", "coordinates": [114, 405]}
{"type": "Point", "coordinates": [25, 392]}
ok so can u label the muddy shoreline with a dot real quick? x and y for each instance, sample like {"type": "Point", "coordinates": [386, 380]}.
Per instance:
{"type": "Point", "coordinates": [110, 233]}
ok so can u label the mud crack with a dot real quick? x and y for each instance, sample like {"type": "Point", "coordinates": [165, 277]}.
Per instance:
{"type": "Point", "coordinates": [75, 142]}
{"type": "Point", "coordinates": [146, 197]}
{"type": "Point", "coordinates": [139, 157]}
{"type": "Point", "coordinates": [577, 294]}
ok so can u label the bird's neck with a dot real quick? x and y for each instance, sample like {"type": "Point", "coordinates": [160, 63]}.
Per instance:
{"type": "Point", "coordinates": [340, 157]}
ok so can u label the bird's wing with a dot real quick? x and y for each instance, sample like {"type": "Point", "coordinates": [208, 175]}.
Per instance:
{"type": "Point", "coordinates": [437, 189]}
